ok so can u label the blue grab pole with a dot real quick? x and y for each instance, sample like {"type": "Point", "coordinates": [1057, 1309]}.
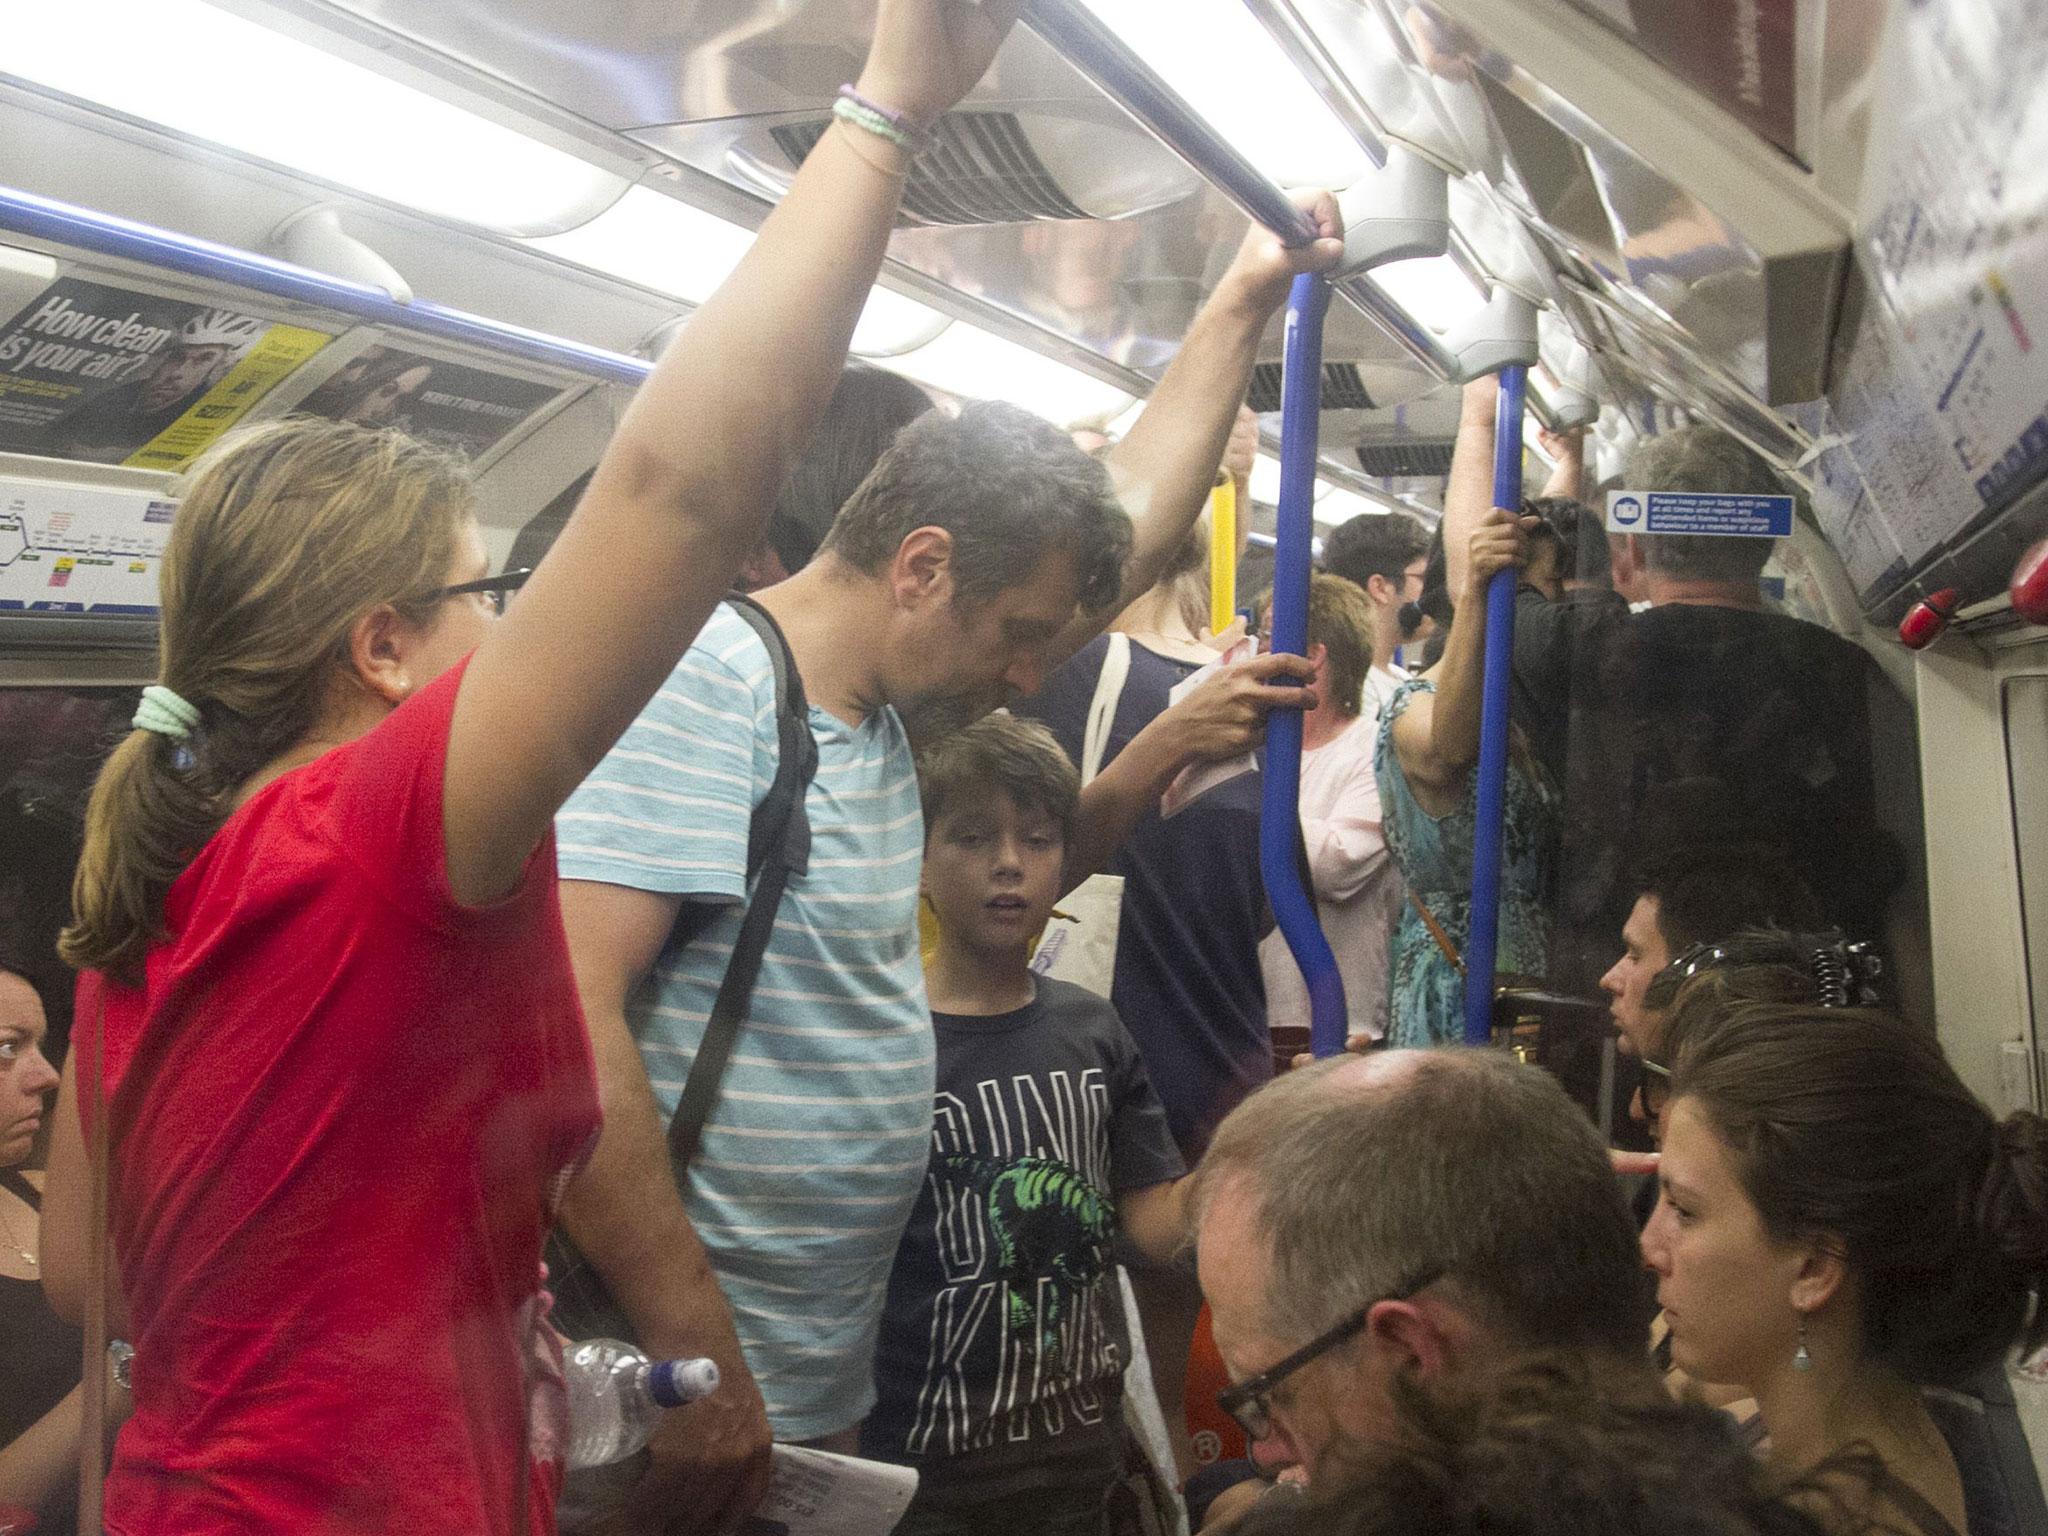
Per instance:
{"type": "Point", "coordinates": [1482, 947]}
{"type": "Point", "coordinates": [1294, 908]}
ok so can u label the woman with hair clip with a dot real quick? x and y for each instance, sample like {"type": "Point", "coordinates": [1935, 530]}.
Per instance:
{"type": "Point", "coordinates": [1841, 1224]}
{"type": "Point", "coordinates": [329, 1035]}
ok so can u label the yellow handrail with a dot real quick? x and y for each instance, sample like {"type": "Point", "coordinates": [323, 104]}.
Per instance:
{"type": "Point", "coordinates": [1222, 553]}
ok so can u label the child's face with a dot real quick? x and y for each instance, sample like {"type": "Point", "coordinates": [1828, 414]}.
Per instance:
{"type": "Point", "coordinates": [992, 872]}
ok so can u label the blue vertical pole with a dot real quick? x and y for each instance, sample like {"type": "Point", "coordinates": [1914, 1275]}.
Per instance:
{"type": "Point", "coordinates": [1294, 907]}
{"type": "Point", "coordinates": [1483, 947]}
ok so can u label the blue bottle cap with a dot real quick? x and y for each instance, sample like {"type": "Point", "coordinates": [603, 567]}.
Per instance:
{"type": "Point", "coordinates": [672, 1383]}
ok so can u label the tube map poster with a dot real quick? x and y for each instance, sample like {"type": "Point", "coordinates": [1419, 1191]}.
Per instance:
{"type": "Point", "coordinates": [112, 376]}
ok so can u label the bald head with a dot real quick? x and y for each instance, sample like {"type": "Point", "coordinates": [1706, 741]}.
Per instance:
{"type": "Point", "coordinates": [1363, 1174]}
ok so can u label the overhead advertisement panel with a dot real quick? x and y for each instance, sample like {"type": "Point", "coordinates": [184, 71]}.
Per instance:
{"type": "Point", "coordinates": [1741, 54]}
{"type": "Point", "coordinates": [115, 376]}
{"type": "Point", "coordinates": [451, 405]}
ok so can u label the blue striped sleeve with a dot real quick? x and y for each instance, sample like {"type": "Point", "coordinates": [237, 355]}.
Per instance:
{"type": "Point", "coordinates": [669, 807]}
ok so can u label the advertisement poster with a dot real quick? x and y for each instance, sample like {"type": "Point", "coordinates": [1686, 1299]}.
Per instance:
{"type": "Point", "coordinates": [448, 404]}
{"type": "Point", "coordinates": [112, 376]}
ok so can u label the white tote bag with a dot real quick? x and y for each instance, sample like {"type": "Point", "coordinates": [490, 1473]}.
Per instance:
{"type": "Point", "coordinates": [1079, 944]}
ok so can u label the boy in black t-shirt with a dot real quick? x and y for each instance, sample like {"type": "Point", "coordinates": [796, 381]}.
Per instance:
{"type": "Point", "coordinates": [999, 1369]}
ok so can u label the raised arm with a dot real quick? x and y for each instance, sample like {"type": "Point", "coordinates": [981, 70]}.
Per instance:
{"type": "Point", "coordinates": [684, 490]}
{"type": "Point", "coordinates": [1468, 493]}
{"type": "Point", "coordinates": [1224, 717]}
{"type": "Point", "coordinates": [1437, 739]}
{"type": "Point", "coordinates": [1164, 469]}
{"type": "Point", "coordinates": [1568, 474]}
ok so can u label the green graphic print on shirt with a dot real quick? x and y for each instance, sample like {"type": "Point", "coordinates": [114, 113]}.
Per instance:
{"type": "Point", "coordinates": [1047, 1221]}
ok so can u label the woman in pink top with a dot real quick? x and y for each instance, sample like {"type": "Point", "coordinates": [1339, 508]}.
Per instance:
{"type": "Point", "coordinates": [1358, 891]}
{"type": "Point", "coordinates": [340, 1065]}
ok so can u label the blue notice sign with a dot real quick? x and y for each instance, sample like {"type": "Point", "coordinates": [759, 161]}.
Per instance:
{"type": "Point", "coordinates": [1708, 512]}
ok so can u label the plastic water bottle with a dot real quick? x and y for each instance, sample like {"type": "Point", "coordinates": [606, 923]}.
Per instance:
{"type": "Point", "coordinates": [617, 1396]}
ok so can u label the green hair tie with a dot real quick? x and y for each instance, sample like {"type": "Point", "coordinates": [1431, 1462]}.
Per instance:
{"type": "Point", "coordinates": [165, 713]}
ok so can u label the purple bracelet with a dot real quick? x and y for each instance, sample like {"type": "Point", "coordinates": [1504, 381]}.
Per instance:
{"type": "Point", "coordinates": [902, 122]}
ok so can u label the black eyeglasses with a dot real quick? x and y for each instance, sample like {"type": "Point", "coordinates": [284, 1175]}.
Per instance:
{"type": "Point", "coordinates": [1656, 1087]}
{"type": "Point", "coordinates": [498, 588]}
{"type": "Point", "coordinates": [1250, 1402]}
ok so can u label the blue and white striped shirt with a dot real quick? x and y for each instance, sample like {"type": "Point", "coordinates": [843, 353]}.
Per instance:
{"type": "Point", "coordinates": [817, 1147]}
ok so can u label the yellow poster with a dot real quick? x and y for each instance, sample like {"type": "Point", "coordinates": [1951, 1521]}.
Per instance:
{"type": "Point", "coordinates": [282, 349]}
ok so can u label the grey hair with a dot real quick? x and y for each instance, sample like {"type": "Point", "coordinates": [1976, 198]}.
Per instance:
{"type": "Point", "coordinates": [1460, 1161]}
{"type": "Point", "coordinates": [1703, 459]}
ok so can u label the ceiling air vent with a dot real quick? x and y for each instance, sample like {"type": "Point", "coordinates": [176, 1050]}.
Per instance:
{"type": "Point", "coordinates": [980, 169]}
{"type": "Point", "coordinates": [1343, 389]}
{"type": "Point", "coordinates": [1396, 461]}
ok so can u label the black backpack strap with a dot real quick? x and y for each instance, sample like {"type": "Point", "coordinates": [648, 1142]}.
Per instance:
{"type": "Point", "coordinates": [778, 845]}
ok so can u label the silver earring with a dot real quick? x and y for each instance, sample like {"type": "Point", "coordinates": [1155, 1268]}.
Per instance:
{"type": "Point", "coordinates": [1802, 1357]}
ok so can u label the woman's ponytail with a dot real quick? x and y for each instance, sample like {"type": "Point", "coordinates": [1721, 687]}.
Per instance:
{"type": "Point", "coordinates": [286, 534]}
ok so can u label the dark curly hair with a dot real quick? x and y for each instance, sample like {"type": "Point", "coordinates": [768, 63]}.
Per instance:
{"type": "Point", "coordinates": [1550, 1445]}
{"type": "Point", "coordinates": [1009, 487]}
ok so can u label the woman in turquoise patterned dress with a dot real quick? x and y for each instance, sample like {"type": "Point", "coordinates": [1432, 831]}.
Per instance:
{"type": "Point", "coordinates": [1425, 762]}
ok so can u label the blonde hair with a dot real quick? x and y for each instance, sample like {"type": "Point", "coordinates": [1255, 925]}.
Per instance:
{"type": "Point", "coordinates": [1187, 577]}
{"type": "Point", "coordinates": [286, 533]}
{"type": "Point", "coordinates": [1340, 621]}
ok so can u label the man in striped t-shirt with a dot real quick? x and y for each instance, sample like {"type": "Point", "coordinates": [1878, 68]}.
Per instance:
{"type": "Point", "coordinates": [981, 550]}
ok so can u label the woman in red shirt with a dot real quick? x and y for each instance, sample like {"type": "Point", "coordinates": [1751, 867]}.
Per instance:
{"type": "Point", "coordinates": [328, 1003]}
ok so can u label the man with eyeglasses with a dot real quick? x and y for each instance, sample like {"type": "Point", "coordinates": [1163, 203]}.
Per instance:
{"type": "Point", "coordinates": [1402, 1217]}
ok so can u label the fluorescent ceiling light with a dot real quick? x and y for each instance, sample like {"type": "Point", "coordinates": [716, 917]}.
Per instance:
{"type": "Point", "coordinates": [208, 74]}
{"type": "Point", "coordinates": [974, 364]}
{"type": "Point", "coordinates": [1265, 484]}
{"type": "Point", "coordinates": [891, 325]}
{"type": "Point", "coordinates": [654, 240]}
{"type": "Point", "coordinates": [1434, 289]}
{"type": "Point", "coordinates": [1217, 58]}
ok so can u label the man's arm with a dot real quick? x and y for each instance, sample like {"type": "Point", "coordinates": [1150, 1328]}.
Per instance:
{"type": "Point", "coordinates": [1224, 717]}
{"type": "Point", "coordinates": [1164, 469]}
{"type": "Point", "coordinates": [626, 1215]}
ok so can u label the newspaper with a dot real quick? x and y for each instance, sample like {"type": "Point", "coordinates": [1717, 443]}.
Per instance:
{"type": "Point", "coordinates": [816, 1493]}
{"type": "Point", "coordinates": [1197, 779]}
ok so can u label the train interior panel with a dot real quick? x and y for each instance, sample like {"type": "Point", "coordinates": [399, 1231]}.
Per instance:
{"type": "Point", "coordinates": [1738, 301]}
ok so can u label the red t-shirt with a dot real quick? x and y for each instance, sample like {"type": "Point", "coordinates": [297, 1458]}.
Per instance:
{"type": "Point", "coordinates": [343, 1106]}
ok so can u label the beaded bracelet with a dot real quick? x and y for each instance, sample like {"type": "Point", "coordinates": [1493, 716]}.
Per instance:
{"type": "Point", "coordinates": [879, 120]}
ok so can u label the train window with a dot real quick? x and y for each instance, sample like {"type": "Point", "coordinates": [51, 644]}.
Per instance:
{"type": "Point", "coordinates": [52, 741]}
